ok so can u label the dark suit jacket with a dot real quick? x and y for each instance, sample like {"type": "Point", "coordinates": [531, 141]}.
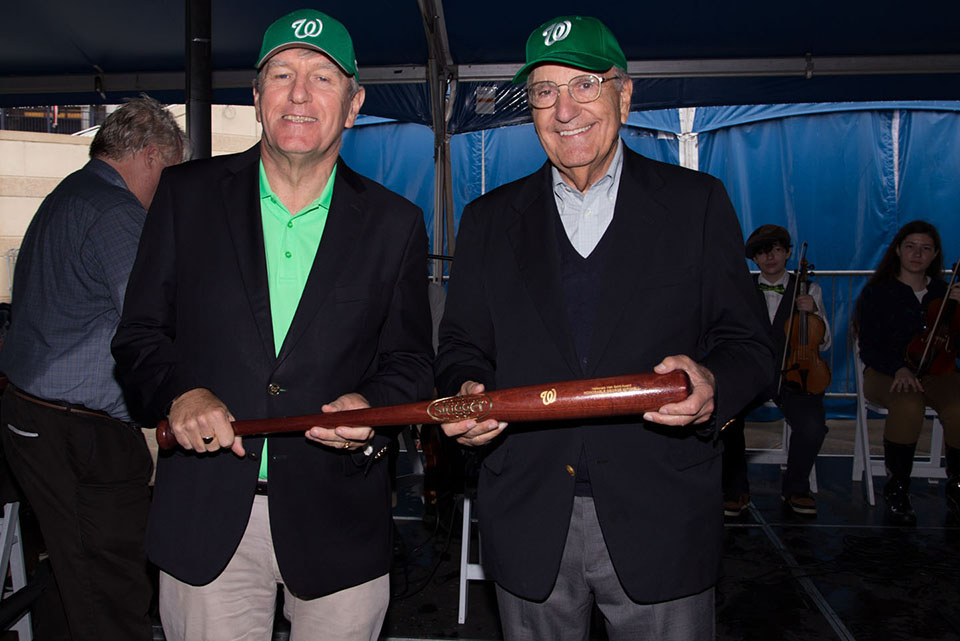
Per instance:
{"type": "Point", "coordinates": [197, 314]}
{"type": "Point", "coordinates": [675, 283]}
{"type": "Point", "coordinates": [775, 329]}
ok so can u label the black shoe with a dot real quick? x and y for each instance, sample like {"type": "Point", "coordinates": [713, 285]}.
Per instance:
{"type": "Point", "coordinates": [899, 511]}
{"type": "Point", "coordinates": [953, 496]}
{"type": "Point", "coordinates": [800, 504]}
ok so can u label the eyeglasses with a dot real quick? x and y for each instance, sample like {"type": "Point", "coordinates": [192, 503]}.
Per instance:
{"type": "Point", "coordinates": [586, 88]}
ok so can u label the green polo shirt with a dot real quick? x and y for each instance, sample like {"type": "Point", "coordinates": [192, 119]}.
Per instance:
{"type": "Point", "coordinates": [290, 243]}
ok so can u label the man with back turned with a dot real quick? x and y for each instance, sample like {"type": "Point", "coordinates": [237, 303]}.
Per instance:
{"type": "Point", "coordinates": [68, 431]}
{"type": "Point", "coordinates": [601, 263]}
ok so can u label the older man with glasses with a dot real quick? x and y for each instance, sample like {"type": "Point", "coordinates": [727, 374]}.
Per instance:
{"type": "Point", "coordinates": [602, 263]}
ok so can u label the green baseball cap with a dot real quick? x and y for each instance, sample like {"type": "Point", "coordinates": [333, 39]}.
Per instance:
{"type": "Point", "coordinates": [310, 29]}
{"type": "Point", "coordinates": [578, 41]}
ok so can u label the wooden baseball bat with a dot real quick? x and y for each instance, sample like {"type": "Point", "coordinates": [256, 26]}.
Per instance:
{"type": "Point", "coordinates": [589, 398]}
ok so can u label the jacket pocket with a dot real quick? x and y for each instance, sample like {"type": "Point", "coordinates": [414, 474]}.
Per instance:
{"type": "Point", "coordinates": [495, 461]}
{"type": "Point", "coordinates": [690, 451]}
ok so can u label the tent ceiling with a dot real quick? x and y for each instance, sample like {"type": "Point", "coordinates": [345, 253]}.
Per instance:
{"type": "Point", "coordinates": [693, 51]}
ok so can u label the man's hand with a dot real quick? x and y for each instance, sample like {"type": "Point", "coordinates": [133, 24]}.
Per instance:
{"type": "Point", "coordinates": [343, 437]}
{"type": "Point", "coordinates": [905, 380]}
{"type": "Point", "coordinates": [470, 432]}
{"type": "Point", "coordinates": [698, 407]}
{"type": "Point", "coordinates": [201, 422]}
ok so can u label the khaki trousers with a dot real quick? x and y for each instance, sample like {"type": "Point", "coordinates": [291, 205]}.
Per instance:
{"type": "Point", "coordinates": [239, 604]}
{"type": "Point", "coordinates": [905, 418]}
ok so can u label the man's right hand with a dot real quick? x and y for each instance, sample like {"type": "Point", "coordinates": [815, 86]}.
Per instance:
{"type": "Point", "coordinates": [198, 416]}
{"type": "Point", "coordinates": [470, 432]}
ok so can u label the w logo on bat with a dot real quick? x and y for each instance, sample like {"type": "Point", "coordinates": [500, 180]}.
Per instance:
{"type": "Point", "coordinates": [304, 28]}
{"type": "Point", "coordinates": [556, 32]}
{"type": "Point", "coordinates": [548, 396]}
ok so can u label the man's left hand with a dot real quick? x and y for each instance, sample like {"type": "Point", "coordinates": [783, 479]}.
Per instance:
{"type": "Point", "coordinates": [343, 437]}
{"type": "Point", "coordinates": [698, 407]}
{"type": "Point", "coordinates": [806, 303]}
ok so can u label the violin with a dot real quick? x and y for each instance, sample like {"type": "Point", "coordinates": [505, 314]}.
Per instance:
{"type": "Point", "coordinates": [802, 364]}
{"type": "Point", "coordinates": [933, 351]}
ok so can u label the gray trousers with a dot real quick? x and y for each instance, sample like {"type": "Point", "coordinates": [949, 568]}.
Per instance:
{"type": "Point", "coordinates": [587, 576]}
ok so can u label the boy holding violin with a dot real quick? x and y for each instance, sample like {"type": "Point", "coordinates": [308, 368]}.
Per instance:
{"type": "Point", "coordinates": [895, 315]}
{"type": "Point", "coordinates": [770, 248]}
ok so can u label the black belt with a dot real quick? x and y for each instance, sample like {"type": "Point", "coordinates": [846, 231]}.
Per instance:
{"type": "Point", "coordinates": [261, 487]}
{"type": "Point", "coordinates": [63, 406]}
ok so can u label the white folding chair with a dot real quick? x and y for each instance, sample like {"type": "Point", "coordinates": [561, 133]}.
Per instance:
{"type": "Point", "coordinates": [923, 467]}
{"type": "Point", "coordinates": [468, 571]}
{"type": "Point", "coordinates": [778, 455]}
{"type": "Point", "coordinates": [408, 445]}
{"type": "Point", "coordinates": [11, 555]}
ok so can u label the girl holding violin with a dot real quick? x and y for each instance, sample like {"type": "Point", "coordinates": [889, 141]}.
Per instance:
{"type": "Point", "coordinates": [782, 297]}
{"type": "Point", "coordinates": [896, 316]}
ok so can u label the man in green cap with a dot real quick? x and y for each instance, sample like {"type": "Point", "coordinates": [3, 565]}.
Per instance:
{"type": "Point", "coordinates": [602, 263]}
{"type": "Point", "coordinates": [277, 282]}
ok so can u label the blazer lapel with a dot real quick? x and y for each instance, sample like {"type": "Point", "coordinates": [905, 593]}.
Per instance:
{"type": "Point", "coordinates": [534, 240]}
{"type": "Point", "coordinates": [241, 197]}
{"type": "Point", "coordinates": [341, 234]}
{"type": "Point", "coordinates": [637, 229]}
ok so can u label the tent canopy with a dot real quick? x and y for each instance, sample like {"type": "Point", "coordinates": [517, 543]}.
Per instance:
{"type": "Point", "coordinates": [685, 53]}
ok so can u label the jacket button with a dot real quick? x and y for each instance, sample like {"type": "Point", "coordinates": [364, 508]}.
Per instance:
{"type": "Point", "coordinates": [273, 389]}
{"type": "Point", "coordinates": [571, 471]}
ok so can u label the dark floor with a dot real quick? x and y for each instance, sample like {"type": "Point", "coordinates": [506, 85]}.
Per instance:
{"type": "Point", "coordinates": [843, 575]}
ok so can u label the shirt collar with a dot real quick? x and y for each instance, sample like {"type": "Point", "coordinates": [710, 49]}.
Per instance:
{"type": "Point", "coordinates": [606, 182]}
{"type": "Point", "coordinates": [780, 281]}
{"type": "Point", "coordinates": [322, 201]}
{"type": "Point", "coordinates": [106, 171]}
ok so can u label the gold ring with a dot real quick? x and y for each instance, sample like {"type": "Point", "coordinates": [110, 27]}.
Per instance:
{"type": "Point", "coordinates": [345, 445]}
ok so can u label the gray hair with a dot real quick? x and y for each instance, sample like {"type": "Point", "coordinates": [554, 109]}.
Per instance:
{"type": "Point", "coordinates": [620, 74]}
{"type": "Point", "coordinates": [138, 123]}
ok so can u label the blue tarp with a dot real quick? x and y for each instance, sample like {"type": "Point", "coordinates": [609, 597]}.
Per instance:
{"type": "Point", "coordinates": [841, 177]}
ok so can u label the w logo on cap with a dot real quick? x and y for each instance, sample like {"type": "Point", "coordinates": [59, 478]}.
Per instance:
{"type": "Point", "coordinates": [556, 32]}
{"type": "Point", "coordinates": [304, 28]}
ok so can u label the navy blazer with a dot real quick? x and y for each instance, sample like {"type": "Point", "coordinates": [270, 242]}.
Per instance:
{"type": "Point", "coordinates": [675, 283]}
{"type": "Point", "coordinates": [197, 314]}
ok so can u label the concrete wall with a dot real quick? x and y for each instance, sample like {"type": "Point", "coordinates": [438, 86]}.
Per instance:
{"type": "Point", "coordinates": [32, 164]}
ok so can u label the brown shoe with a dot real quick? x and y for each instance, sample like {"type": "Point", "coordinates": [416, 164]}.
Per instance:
{"type": "Point", "coordinates": [800, 504]}
{"type": "Point", "coordinates": [733, 506]}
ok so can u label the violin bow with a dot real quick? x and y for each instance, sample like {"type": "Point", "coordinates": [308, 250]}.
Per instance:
{"type": "Point", "coordinates": [793, 302]}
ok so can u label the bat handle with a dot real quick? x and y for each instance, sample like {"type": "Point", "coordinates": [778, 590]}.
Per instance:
{"type": "Point", "coordinates": [165, 438]}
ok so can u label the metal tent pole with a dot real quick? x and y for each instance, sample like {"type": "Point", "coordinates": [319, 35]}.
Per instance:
{"type": "Point", "coordinates": [199, 77]}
